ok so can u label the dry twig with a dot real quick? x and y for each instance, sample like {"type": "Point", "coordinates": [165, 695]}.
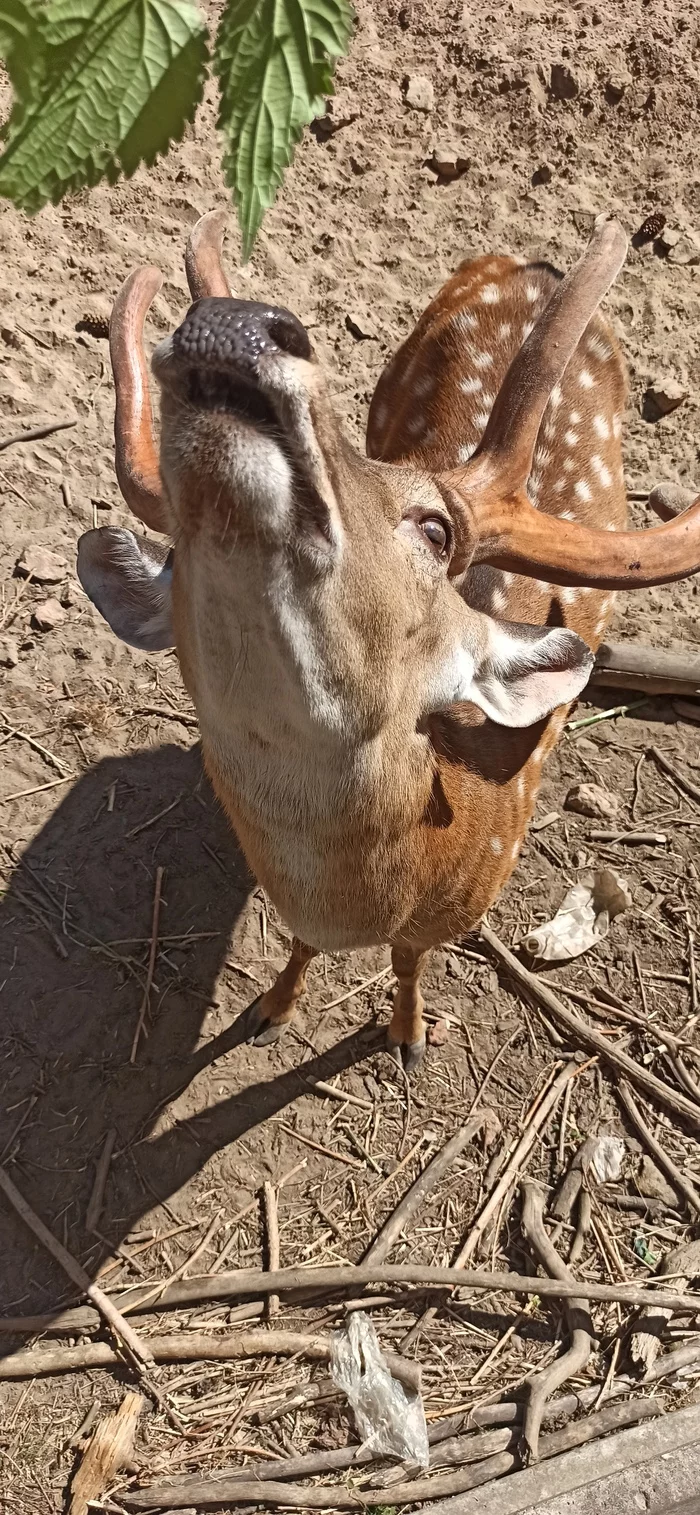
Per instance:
{"type": "Point", "coordinates": [273, 1242]}
{"type": "Point", "coordinates": [94, 1209]}
{"type": "Point", "coordinates": [543, 1384]}
{"type": "Point", "coordinates": [151, 964]}
{"type": "Point", "coordinates": [423, 1186]}
{"type": "Point", "coordinates": [110, 1449]}
{"type": "Point", "coordinates": [679, 1180]}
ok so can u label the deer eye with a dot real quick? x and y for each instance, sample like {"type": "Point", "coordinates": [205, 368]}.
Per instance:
{"type": "Point", "coordinates": [437, 533]}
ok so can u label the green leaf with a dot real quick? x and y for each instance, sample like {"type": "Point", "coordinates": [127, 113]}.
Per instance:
{"type": "Point", "coordinates": [20, 43]}
{"type": "Point", "coordinates": [102, 86]}
{"type": "Point", "coordinates": [274, 60]}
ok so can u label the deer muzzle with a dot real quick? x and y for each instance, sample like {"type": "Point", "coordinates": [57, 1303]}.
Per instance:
{"type": "Point", "coordinates": [227, 355]}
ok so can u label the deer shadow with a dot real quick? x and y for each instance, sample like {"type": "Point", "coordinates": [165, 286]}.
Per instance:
{"type": "Point", "coordinates": [76, 921]}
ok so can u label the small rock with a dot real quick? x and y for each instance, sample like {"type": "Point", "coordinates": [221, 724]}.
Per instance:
{"type": "Point", "coordinates": [542, 175]}
{"type": "Point", "coordinates": [594, 801]}
{"type": "Point", "coordinates": [662, 398]}
{"type": "Point", "coordinates": [615, 88]}
{"type": "Point", "coordinates": [563, 84]}
{"type": "Point", "coordinates": [10, 337]}
{"type": "Point", "coordinates": [9, 656]}
{"type": "Point", "coordinates": [48, 616]}
{"type": "Point", "coordinates": [588, 748]}
{"type": "Point", "coordinates": [447, 160]}
{"type": "Point", "coordinates": [357, 331]}
{"type": "Point", "coordinates": [42, 565]}
{"type": "Point", "coordinates": [653, 1185]}
{"type": "Point", "coordinates": [534, 81]}
{"type": "Point", "coordinates": [438, 1034]}
{"type": "Point", "coordinates": [419, 92]}
{"type": "Point", "coordinates": [685, 252]}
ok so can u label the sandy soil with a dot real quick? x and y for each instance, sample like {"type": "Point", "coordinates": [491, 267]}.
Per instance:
{"type": "Point", "coordinates": [361, 237]}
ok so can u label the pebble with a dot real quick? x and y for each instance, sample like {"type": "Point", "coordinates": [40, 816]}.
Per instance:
{"type": "Point", "coordinates": [419, 92]}
{"type": "Point", "coordinates": [447, 160]}
{"type": "Point", "coordinates": [594, 801]}
{"type": "Point", "coordinates": [653, 1185]}
{"type": "Point", "coordinates": [42, 565]}
{"type": "Point", "coordinates": [49, 615]}
{"type": "Point", "coordinates": [9, 656]}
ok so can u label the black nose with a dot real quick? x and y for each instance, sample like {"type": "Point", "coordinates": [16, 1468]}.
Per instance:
{"type": "Point", "coordinates": [237, 333]}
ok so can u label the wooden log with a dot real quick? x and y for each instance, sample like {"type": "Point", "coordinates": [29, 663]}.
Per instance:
{"type": "Point", "coordinates": [110, 1448]}
{"type": "Point", "coordinates": [653, 670]}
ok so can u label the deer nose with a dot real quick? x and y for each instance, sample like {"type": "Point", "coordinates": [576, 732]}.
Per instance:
{"type": "Point", "coordinates": [236, 334]}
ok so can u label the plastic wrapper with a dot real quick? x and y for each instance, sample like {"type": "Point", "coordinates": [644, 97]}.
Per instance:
{"type": "Point", "coordinates": [607, 1159]}
{"type": "Point", "coordinates": [583, 918]}
{"type": "Point", "coordinates": [388, 1419]}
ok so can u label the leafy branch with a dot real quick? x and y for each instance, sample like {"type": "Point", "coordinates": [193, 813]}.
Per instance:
{"type": "Point", "coordinates": [101, 86]}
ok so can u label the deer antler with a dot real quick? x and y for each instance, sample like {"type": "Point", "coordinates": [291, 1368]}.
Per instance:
{"type": "Point", "coordinates": [205, 274]}
{"type": "Point", "coordinates": [510, 533]}
{"type": "Point", "coordinates": [136, 453]}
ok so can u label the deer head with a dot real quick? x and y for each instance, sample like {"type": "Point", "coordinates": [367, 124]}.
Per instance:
{"type": "Point", "coordinates": [309, 586]}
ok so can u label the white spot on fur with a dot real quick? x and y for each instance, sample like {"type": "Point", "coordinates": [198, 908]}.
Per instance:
{"type": "Point", "coordinates": [481, 420]}
{"type": "Point", "coordinates": [515, 849]}
{"type": "Point", "coordinates": [464, 320]}
{"type": "Point", "coordinates": [611, 526]}
{"type": "Point", "coordinates": [470, 386]}
{"type": "Point", "coordinates": [555, 397]}
{"type": "Point", "coordinates": [504, 331]}
{"type": "Point", "coordinates": [558, 487]}
{"type": "Point", "coordinates": [600, 626]}
{"type": "Point", "coordinates": [527, 328]}
{"type": "Point", "coordinates": [617, 425]}
{"type": "Point", "coordinates": [507, 579]}
{"type": "Point", "coordinates": [490, 294]}
{"type": "Point", "coordinates": [582, 490]}
{"type": "Point", "coordinates": [603, 472]}
{"type": "Point", "coordinates": [538, 754]}
{"type": "Point", "coordinates": [568, 596]}
{"type": "Point", "coordinates": [571, 438]}
{"type": "Point", "coordinates": [574, 417]}
{"type": "Point", "coordinates": [568, 465]}
{"type": "Point", "coordinates": [601, 428]}
{"type": "Point", "coordinates": [496, 845]}
{"type": "Point", "coordinates": [549, 430]}
{"type": "Point", "coordinates": [521, 785]}
{"type": "Point", "coordinates": [465, 452]}
{"type": "Point", "coordinates": [598, 348]}
{"type": "Point", "coordinates": [566, 515]}
{"type": "Point", "coordinates": [498, 602]}
{"type": "Point", "coordinates": [482, 360]}
{"type": "Point", "coordinates": [531, 293]}
{"type": "Point", "coordinates": [586, 379]}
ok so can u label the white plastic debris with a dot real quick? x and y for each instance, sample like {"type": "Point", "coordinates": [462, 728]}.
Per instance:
{"type": "Point", "coordinates": [388, 1419]}
{"type": "Point", "coordinates": [608, 1158]}
{"type": "Point", "coordinates": [583, 918]}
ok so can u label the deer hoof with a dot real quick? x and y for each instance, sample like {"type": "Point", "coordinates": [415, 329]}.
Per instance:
{"type": "Point", "coordinates": [407, 1054]}
{"type": "Point", "coordinates": [260, 1032]}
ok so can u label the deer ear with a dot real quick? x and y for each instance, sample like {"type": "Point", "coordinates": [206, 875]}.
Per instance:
{"type": "Point", "coordinates": [516, 674]}
{"type": "Point", "coordinates": [129, 579]}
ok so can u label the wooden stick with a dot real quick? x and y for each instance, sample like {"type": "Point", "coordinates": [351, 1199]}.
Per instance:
{"type": "Point", "coordinates": [36, 433]}
{"type": "Point", "coordinates": [586, 1468]}
{"type": "Point", "coordinates": [679, 1180]}
{"type": "Point", "coordinates": [151, 963]}
{"type": "Point", "coordinates": [220, 1491]}
{"type": "Point", "coordinates": [675, 773]}
{"type": "Point", "coordinates": [543, 1385]}
{"type": "Point", "coordinates": [94, 1209]}
{"type": "Point", "coordinates": [193, 1346]}
{"type": "Point", "coordinates": [273, 1242]}
{"type": "Point", "coordinates": [627, 665]}
{"type": "Point", "coordinates": [110, 1448]}
{"type": "Point", "coordinates": [121, 1328]}
{"type": "Point", "coordinates": [587, 1037]}
{"type": "Point", "coordinates": [423, 1186]}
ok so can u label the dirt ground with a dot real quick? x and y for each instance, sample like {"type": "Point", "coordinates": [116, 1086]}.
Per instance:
{"type": "Point", "coordinates": [561, 111]}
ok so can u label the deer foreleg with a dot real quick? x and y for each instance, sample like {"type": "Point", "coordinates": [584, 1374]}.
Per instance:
{"type": "Point", "coordinates": [406, 1032]}
{"type": "Point", "coordinates": [272, 1011]}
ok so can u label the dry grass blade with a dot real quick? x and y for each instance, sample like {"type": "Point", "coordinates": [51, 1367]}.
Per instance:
{"type": "Point", "coordinates": [143, 1009]}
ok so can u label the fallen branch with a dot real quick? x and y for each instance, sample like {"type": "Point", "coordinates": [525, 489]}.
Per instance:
{"type": "Point", "coordinates": [219, 1491]}
{"type": "Point", "coordinates": [627, 665]}
{"type": "Point", "coordinates": [543, 1385]}
{"type": "Point", "coordinates": [193, 1346]}
{"type": "Point", "coordinates": [111, 1448]}
{"type": "Point", "coordinates": [424, 1276]}
{"type": "Point", "coordinates": [273, 1242]}
{"type": "Point", "coordinates": [675, 773]}
{"type": "Point", "coordinates": [683, 1263]}
{"type": "Point", "coordinates": [680, 1181]}
{"type": "Point", "coordinates": [137, 1351]}
{"type": "Point", "coordinates": [587, 1037]}
{"type": "Point", "coordinates": [517, 1161]}
{"type": "Point", "coordinates": [424, 1185]}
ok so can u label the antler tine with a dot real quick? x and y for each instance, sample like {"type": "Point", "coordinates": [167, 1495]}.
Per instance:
{"type": "Point", "coordinates": [205, 274]}
{"type": "Point", "coordinates": [136, 453]}
{"type": "Point", "coordinates": [522, 540]}
{"type": "Point", "coordinates": [509, 441]}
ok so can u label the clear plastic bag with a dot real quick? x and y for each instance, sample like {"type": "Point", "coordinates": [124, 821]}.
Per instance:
{"type": "Point", "coordinates": [388, 1419]}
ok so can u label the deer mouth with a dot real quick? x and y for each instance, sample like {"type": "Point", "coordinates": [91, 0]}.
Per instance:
{"type": "Point", "coordinates": [229, 356]}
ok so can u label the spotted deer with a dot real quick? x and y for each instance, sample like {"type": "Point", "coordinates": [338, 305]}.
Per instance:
{"type": "Point", "coordinates": [381, 649]}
